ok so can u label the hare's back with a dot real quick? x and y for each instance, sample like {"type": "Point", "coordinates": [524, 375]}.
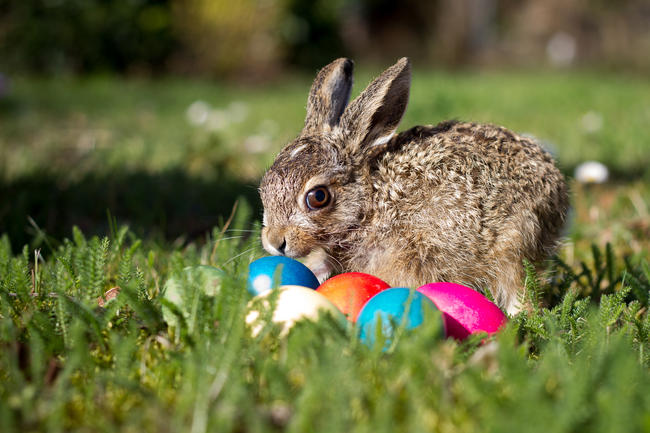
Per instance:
{"type": "Point", "coordinates": [474, 179]}
{"type": "Point", "coordinates": [469, 158]}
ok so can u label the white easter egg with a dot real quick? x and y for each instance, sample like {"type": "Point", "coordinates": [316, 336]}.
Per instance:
{"type": "Point", "coordinates": [293, 304]}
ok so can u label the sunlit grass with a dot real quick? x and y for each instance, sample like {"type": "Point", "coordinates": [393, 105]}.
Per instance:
{"type": "Point", "coordinates": [104, 123]}
{"type": "Point", "coordinates": [99, 130]}
{"type": "Point", "coordinates": [71, 363]}
{"type": "Point", "coordinates": [72, 150]}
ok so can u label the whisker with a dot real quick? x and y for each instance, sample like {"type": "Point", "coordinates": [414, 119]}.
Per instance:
{"type": "Point", "coordinates": [253, 248]}
{"type": "Point", "coordinates": [337, 261]}
{"type": "Point", "coordinates": [230, 238]}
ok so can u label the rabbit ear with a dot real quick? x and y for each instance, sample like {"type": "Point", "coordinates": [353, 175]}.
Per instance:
{"type": "Point", "coordinates": [329, 95]}
{"type": "Point", "coordinates": [372, 118]}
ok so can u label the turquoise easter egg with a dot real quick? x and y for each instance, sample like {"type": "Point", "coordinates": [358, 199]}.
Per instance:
{"type": "Point", "coordinates": [274, 271]}
{"type": "Point", "coordinates": [390, 309]}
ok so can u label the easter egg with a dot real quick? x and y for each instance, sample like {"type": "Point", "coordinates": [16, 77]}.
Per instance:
{"type": "Point", "coordinates": [392, 308]}
{"type": "Point", "coordinates": [350, 291]}
{"type": "Point", "coordinates": [180, 289]}
{"type": "Point", "coordinates": [465, 311]}
{"type": "Point", "coordinates": [293, 304]}
{"type": "Point", "coordinates": [264, 274]}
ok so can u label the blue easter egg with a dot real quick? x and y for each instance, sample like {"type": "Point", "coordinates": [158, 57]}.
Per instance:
{"type": "Point", "coordinates": [390, 309]}
{"type": "Point", "coordinates": [262, 272]}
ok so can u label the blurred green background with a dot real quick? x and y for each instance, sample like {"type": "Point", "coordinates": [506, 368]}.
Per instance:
{"type": "Point", "coordinates": [257, 39]}
{"type": "Point", "coordinates": [163, 113]}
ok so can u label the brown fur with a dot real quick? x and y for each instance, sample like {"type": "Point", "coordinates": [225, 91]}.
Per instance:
{"type": "Point", "coordinates": [458, 202]}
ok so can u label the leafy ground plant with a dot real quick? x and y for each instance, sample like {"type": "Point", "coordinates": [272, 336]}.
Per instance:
{"type": "Point", "coordinates": [73, 360]}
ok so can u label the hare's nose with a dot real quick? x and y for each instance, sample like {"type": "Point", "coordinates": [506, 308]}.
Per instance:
{"type": "Point", "coordinates": [283, 246]}
{"type": "Point", "coordinates": [279, 244]}
{"type": "Point", "coordinates": [275, 243]}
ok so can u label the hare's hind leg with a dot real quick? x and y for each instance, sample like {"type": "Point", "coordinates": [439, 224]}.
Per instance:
{"type": "Point", "coordinates": [518, 240]}
{"type": "Point", "coordinates": [507, 288]}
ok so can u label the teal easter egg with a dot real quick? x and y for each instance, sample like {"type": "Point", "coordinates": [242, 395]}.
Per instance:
{"type": "Point", "coordinates": [390, 309]}
{"type": "Point", "coordinates": [274, 271]}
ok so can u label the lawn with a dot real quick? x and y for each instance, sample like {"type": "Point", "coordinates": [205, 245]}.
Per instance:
{"type": "Point", "coordinates": [108, 182]}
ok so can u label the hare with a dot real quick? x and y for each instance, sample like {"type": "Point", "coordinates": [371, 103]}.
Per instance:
{"type": "Point", "coordinates": [457, 202]}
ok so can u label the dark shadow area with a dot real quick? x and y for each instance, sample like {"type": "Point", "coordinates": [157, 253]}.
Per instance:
{"type": "Point", "coordinates": [164, 206]}
{"type": "Point", "coordinates": [167, 205]}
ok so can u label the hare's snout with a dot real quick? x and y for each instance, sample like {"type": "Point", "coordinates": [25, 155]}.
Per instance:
{"type": "Point", "coordinates": [274, 241]}
{"type": "Point", "coordinates": [286, 241]}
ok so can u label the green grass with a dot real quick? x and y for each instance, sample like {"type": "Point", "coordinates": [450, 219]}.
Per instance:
{"type": "Point", "coordinates": [72, 149]}
{"type": "Point", "coordinates": [104, 123]}
{"type": "Point", "coordinates": [103, 153]}
{"type": "Point", "coordinates": [68, 364]}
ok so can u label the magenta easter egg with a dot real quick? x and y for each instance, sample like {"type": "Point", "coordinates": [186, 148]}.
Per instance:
{"type": "Point", "coordinates": [465, 311]}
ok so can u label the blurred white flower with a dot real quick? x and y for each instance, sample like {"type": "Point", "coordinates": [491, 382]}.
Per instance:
{"type": "Point", "coordinates": [561, 49]}
{"type": "Point", "coordinates": [257, 143]}
{"type": "Point", "coordinates": [591, 172]}
{"type": "Point", "coordinates": [197, 113]}
{"type": "Point", "coordinates": [217, 120]}
{"type": "Point", "coordinates": [237, 111]}
{"type": "Point", "coordinates": [269, 126]}
{"type": "Point", "coordinates": [592, 122]}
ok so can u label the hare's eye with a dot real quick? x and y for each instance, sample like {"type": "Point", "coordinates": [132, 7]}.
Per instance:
{"type": "Point", "coordinates": [318, 197]}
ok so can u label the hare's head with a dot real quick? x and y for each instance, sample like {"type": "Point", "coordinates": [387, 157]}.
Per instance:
{"type": "Point", "coordinates": [318, 189]}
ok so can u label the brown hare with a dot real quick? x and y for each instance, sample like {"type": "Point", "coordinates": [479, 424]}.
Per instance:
{"type": "Point", "coordinates": [457, 202]}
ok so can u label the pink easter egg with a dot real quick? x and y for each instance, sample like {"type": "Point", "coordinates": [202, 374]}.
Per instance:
{"type": "Point", "coordinates": [465, 311]}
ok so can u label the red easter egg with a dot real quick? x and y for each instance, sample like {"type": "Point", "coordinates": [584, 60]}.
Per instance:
{"type": "Point", "coordinates": [350, 291]}
{"type": "Point", "coordinates": [465, 311]}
